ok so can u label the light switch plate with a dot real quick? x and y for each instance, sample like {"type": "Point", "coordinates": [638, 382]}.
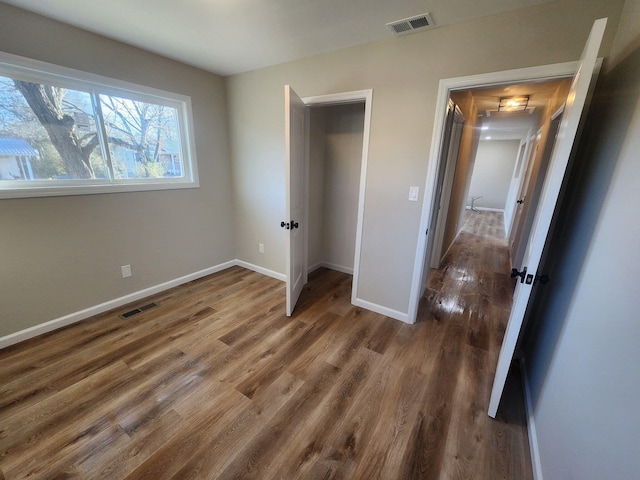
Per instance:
{"type": "Point", "coordinates": [413, 194]}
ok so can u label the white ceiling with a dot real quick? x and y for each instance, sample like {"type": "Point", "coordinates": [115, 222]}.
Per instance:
{"type": "Point", "coordinates": [233, 36]}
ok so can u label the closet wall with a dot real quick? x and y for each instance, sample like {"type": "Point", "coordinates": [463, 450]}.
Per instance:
{"type": "Point", "coordinates": [335, 156]}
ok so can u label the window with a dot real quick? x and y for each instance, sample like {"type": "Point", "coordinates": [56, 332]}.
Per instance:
{"type": "Point", "coordinates": [65, 132]}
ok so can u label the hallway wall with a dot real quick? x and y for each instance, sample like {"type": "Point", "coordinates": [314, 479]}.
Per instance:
{"type": "Point", "coordinates": [492, 173]}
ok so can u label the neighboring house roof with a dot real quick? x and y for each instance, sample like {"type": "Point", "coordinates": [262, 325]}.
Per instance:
{"type": "Point", "coordinates": [169, 146]}
{"type": "Point", "coordinates": [16, 146]}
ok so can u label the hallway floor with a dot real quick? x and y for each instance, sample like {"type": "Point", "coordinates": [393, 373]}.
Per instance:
{"type": "Point", "coordinates": [472, 291]}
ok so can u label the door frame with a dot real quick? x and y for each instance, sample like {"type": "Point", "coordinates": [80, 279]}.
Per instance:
{"type": "Point", "coordinates": [445, 88]}
{"type": "Point", "coordinates": [357, 96]}
{"type": "Point", "coordinates": [457, 128]}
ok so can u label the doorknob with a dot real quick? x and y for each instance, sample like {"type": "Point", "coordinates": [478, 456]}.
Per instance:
{"type": "Point", "coordinates": [515, 273]}
{"type": "Point", "coordinates": [521, 201]}
{"type": "Point", "coordinates": [289, 225]}
{"type": "Point", "coordinates": [543, 279]}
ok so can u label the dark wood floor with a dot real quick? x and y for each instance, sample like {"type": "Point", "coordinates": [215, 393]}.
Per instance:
{"type": "Point", "coordinates": [215, 382]}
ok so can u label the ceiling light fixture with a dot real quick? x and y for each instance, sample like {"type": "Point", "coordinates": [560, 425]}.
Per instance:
{"type": "Point", "coordinates": [513, 104]}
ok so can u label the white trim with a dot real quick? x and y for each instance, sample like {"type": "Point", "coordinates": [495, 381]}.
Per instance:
{"type": "Point", "coordinates": [446, 86]}
{"type": "Point", "coordinates": [331, 266]}
{"type": "Point", "coordinates": [374, 307]}
{"type": "Point", "coordinates": [264, 271]}
{"type": "Point", "coordinates": [80, 315]}
{"type": "Point", "coordinates": [315, 267]}
{"type": "Point", "coordinates": [57, 323]}
{"type": "Point", "coordinates": [37, 71]}
{"type": "Point", "coordinates": [486, 209]}
{"type": "Point", "coordinates": [338, 98]}
{"type": "Point", "coordinates": [337, 268]}
{"type": "Point", "coordinates": [534, 449]}
{"type": "Point", "coordinates": [365, 96]}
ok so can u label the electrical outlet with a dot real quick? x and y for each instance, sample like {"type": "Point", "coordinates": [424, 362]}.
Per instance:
{"type": "Point", "coordinates": [261, 248]}
{"type": "Point", "coordinates": [126, 271]}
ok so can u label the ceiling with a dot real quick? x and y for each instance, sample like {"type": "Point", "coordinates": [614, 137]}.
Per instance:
{"type": "Point", "coordinates": [513, 125]}
{"type": "Point", "coordinates": [234, 36]}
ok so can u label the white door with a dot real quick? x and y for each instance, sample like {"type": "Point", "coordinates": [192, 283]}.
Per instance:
{"type": "Point", "coordinates": [551, 189]}
{"type": "Point", "coordinates": [294, 121]}
{"type": "Point", "coordinates": [447, 189]}
{"type": "Point", "coordinates": [517, 223]}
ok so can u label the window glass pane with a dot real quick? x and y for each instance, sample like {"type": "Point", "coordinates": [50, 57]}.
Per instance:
{"type": "Point", "coordinates": [143, 138]}
{"type": "Point", "coordinates": [47, 133]}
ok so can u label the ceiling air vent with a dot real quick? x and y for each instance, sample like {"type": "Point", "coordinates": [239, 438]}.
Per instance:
{"type": "Point", "coordinates": [411, 25]}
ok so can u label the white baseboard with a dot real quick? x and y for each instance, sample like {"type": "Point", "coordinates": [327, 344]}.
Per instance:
{"type": "Point", "coordinates": [331, 266]}
{"type": "Point", "coordinates": [337, 268]}
{"type": "Point", "coordinates": [486, 209]}
{"type": "Point", "coordinates": [54, 324]}
{"type": "Point", "coordinates": [78, 316]}
{"type": "Point", "coordinates": [314, 267]}
{"type": "Point", "coordinates": [534, 450]}
{"type": "Point", "coordinates": [264, 271]}
{"type": "Point", "coordinates": [374, 307]}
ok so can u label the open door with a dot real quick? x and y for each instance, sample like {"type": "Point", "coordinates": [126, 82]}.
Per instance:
{"type": "Point", "coordinates": [446, 188]}
{"type": "Point", "coordinates": [517, 223]}
{"type": "Point", "coordinates": [559, 159]}
{"type": "Point", "coordinates": [294, 121]}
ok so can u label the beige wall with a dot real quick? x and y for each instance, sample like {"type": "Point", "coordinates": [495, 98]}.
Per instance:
{"type": "Point", "coordinates": [404, 74]}
{"type": "Point", "coordinates": [317, 155]}
{"type": "Point", "coordinates": [59, 255]}
{"type": "Point", "coordinates": [492, 171]}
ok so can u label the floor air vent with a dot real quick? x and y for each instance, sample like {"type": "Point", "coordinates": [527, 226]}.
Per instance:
{"type": "Point", "coordinates": [411, 25]}
{"type": "Point", "coordinates": [138, 310]}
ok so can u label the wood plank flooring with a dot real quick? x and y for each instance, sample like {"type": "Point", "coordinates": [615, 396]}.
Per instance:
{"type": "Point", "coordinates": [217, 383]}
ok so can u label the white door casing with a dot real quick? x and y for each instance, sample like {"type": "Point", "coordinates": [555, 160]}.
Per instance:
{"type": "Point", "coordinates": [295, 194]}
{"type": "Point", "coordinates": [357, 96]}
{"type": "Point", "coordinates": [446, 86]}
{"type": "Point", "coordinates": [560, 156]}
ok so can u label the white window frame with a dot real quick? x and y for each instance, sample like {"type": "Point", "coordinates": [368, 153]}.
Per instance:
{"type": "Point", "coordinates": [36, 71]}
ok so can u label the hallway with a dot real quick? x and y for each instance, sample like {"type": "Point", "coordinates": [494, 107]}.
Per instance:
{"type": "Point", "coordinates": [471, 295]}
{"type": "Point", "coordinates": [473, 284]}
